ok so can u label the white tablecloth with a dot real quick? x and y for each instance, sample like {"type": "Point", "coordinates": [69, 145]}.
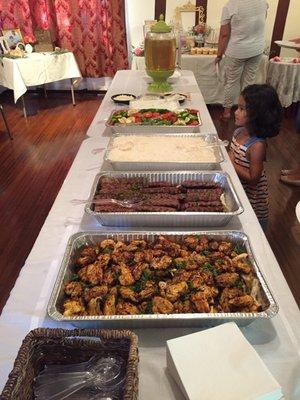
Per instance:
{"type": "Point", "coordinates": [285, 78]}
{"type": "Point", "coordinates": [136, 83]}
{"type": "Point", "coordinates": [203, 67]}
{"type": "Point", "coordinates": [37, 69]}
{"type": "Point", "coordinates": [276, 341]}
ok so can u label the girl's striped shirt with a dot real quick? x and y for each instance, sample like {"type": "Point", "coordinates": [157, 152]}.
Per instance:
{"type": "Point", "coordinates": [258, 193]}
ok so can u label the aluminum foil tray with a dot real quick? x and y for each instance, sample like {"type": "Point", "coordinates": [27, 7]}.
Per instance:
{"type": "Point", "coordinates": [173, 219]}
{"type": "Point", "coordinates": [167, 165]}
{"type": "Point", "coordinates": [81, 239]}
{"type": "Point", "coordinates": [140, 128]}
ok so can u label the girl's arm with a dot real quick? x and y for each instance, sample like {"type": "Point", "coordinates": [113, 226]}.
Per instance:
{"type": "Point", "coordinates": [256, 155]}
{"type": "Point", "coordinates": [231, 155]}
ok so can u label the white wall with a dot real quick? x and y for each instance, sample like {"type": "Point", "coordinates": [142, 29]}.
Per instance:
{"type": "Point", "coordinates": [137, 11]}
{"type": "Point", "coordinates": [214, 11]}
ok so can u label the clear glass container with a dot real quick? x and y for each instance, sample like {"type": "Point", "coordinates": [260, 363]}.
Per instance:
{"type": "Point", "coordinates": [160, 55]}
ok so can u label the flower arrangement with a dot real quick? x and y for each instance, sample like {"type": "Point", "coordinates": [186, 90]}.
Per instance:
{"type": "Point", "coordinates": [201, 29]}
{"type": "Point", "coordinates": [138, 51]}
{"type": "Point", "coordinates": [29, 39]}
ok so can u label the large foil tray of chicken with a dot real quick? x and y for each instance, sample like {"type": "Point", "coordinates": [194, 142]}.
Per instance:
{"type": "Point", "coordinates": [160, 279]}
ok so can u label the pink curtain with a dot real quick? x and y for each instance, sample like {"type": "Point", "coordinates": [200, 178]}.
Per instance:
{"type": "Point", "coordinates": [93, 29]}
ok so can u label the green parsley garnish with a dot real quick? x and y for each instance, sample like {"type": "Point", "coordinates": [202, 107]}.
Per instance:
{"type": "Point", "coordinates": [205, 253]}
{"type": "Point", "coordinates": [141, 282]}
{"type": "Point", "coordinates": [239, 284]}
{"type": "Point", "coordinates": [149, 309]}
{"type": "Point", "coordinates": [239, 249]}
{"type": "Point", "coordinates": [179, 264]}
{"type": "Point", "coordinates": [207, 267]}
{"type": "Point", "coordinates": [107, 250]}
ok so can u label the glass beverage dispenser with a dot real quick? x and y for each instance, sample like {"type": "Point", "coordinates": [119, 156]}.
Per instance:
{"type": "Point", "coordinates": [160, 55]}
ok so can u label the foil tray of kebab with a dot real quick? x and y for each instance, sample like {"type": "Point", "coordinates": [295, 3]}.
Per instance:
{"type": "Point", "coordinates": [174, 199]}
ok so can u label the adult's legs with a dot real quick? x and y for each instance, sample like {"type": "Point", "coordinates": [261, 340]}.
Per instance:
{"type": "Point", "coordinates": [233, 72]}
{"type": "Point", "coordinates": [250, 70]}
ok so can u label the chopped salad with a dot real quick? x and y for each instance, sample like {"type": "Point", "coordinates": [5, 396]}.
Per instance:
{"type": "Point", "coordinates": [156, 116]}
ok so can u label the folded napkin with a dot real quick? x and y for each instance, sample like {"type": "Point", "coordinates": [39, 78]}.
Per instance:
{"type": "Point", "coordinates": [220, 364]}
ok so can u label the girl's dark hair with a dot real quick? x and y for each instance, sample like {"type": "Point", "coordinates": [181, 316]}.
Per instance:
{"type": "Point", "coordinates": [264, 111]}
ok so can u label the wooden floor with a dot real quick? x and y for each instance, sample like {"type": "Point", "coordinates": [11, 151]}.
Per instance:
{"type": "Point", "coordinates": [33, 168]}
{"type": "Point", "coordinates": [35, 163]}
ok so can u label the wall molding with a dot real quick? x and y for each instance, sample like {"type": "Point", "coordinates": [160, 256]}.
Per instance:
{"type": "Point", "coordinates": [202, 3]}
{"type": "Point", "coordinates": [160, 8]}
{"type": "Point", "coordinates": [279, 25]}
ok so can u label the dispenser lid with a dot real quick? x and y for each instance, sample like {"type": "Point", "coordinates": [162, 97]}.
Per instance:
{"type": "Point", "coordinates": [161, 26]}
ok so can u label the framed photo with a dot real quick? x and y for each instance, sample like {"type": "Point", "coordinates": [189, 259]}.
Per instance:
{"type": "Point", "coordinates": [12, 36]}
{"type": "Point", "coordinates": [4, 47]}
{"type": "Point", "coordinates": [44, 41]}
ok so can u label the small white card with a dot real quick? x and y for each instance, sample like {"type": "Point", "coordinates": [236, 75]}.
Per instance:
{"type": "Point", "coordinates": [219, 363]}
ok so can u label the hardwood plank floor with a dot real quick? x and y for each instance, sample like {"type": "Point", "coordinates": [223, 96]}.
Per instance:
{"type": "Point", "coordinates": [33, 168]}
{"type": "Point", "coordinates": [43, 150]}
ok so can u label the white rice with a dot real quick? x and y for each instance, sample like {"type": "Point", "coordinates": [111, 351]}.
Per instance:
{"type": "Point", "coordinates": [161, 149]}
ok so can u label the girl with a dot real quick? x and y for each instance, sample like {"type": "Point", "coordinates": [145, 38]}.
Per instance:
{"type": "Point", "coordinates": [258, 117]}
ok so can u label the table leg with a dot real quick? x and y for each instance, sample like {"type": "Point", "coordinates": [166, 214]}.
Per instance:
{"type": "Point", "coordinates": [5, 122]}
{"type": "Point", "coordinates": [72, 93]}
{"type": "Point", "coordinates": [24, 108]}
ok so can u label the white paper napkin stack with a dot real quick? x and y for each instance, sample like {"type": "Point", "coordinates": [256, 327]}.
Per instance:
{"type": "Point", "coordinates": [219, 363]}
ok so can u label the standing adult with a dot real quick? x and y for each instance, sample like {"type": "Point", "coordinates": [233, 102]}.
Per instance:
{"type": "Point", "coordinates": [242, 40]}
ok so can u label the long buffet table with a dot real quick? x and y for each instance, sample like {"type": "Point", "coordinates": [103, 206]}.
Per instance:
{"type": "Point", "coordinates": [276, 341]}
{"type": "Point", "coordinates": [210, 82]}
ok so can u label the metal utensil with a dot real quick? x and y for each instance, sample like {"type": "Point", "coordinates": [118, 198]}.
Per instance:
{"type": "Point", "coordinates": [122, 203]}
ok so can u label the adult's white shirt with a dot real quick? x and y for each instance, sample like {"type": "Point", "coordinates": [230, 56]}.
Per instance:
{"type": "Point", "coordinates": [247, 19]}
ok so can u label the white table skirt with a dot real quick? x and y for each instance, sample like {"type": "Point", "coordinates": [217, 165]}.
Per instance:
{"type": "Point", "coordinates": [276, 341]}
{"type": "Point", "coordinates": [37, 69]}
{"type": "Point", "coordinates": [285, 78]}
{"type": "Point", "coordinates": [210, 83]}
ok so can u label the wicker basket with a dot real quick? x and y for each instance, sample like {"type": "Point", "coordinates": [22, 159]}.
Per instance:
{"type": "Point", "coordinates": [59, 346]}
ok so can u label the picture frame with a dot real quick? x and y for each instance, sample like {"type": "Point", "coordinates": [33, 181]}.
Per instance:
{"type": "Point", "coordinates": [4, 47]}
{"type": "Point", "coordinates": [12, 36]}
{"type": "Point", "coordinates": [44, 41]}
{"type": "Point", "coordinates": [182, 11]}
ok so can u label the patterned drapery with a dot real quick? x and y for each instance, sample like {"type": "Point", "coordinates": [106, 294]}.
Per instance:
{"type": "Point", "coordinates": [93, 29]}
